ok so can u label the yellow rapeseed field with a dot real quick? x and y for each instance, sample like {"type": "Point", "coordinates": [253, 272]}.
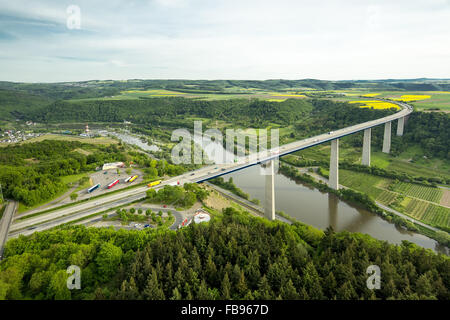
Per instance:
{"type": "Point", "coordinates": [154, 92]}
{"type": "Point", "coordinates": [370, 95]}
{"type": "Point", "coordinates": [411, 97]}
{"type": "Point", "coordinates": [287, 95]}
{"type": "Point", "coordinates": [377, 104]}
{"type": "Point", "coordinates": [276, 100]}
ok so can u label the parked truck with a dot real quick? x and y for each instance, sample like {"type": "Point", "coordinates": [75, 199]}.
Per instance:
{"type": "Point", "coordinates": [91, 189]}
{"type": "Point", "coordinates": [112, 184]}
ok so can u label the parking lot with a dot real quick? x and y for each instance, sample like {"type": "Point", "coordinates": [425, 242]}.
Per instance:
{"type": "Point", "coordinates": [105, 179]}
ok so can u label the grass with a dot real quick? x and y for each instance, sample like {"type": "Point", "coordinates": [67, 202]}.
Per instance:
{"type": "Point", "coordinates": [99, 140]}
{"type": "Point", "coordinates": [83, 200]}
{"type": "Point", "coordinates": [419, 191]}
{"type": "Point", "coordinates": [361, 181]}
{"type": "Point", "coordinates": [409, 201]}
{"type": "Point", "coordinates": [73, 178]}
{"type": "Point", "coordinates": [2, 209]}
{"type": "Point", "coordinates": [429, 213]}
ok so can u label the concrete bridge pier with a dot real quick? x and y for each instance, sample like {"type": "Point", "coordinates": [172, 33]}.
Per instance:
{"type": "Point", "coordinates": [366, 147]}
{"type": "Point", "coordinates": [269, 205]}
{"type": "Point", "coordinates": [334, 165]}
{"type": "Point", "coordinates": [387, 137]}
{"type": "Point", "coordinates": [400, 126]}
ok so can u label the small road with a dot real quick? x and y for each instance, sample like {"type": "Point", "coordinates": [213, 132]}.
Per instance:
{"type": "Point", "coordinates": [404, 216]}
{"type": "Point", "coordinates": [5, 222]}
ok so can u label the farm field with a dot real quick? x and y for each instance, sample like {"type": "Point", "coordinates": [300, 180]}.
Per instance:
{"type": "Point", "coordinates": [362, 182]}
{"type": "Point", "coordinates": [100, 140]}
{"type": "Point", "coordinates": [429, 213]}
{"type": "Point", "coordinates": [421, 100]}
{"type": "Point", "coordinates": [424, 211]}
{"type": "Point", "coordinates": [386, 197]}
{"type": "Point", "coordinates": [418, 191]}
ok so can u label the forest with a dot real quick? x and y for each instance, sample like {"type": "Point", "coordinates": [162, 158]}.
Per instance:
{"type": "Point", "coordinates": [31, 172]}
{"type": "Point", "coordinates": [234, 256]}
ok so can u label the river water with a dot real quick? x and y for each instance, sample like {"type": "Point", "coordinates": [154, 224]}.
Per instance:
{"type": "Point", "coordinates": [321, 210]}
{"type": "Point", "coordinates": [135, 140]}
{"type": "Point", "coordinates": [308, 204]}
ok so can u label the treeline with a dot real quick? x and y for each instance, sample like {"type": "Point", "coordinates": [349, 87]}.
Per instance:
{"type": "Point", "coordinates": [239, 111]}
{"type": "Point", "coordinates": [235, 256]}
{"type": "Point", "coordinates": [230, 186]}
{"type": "Point", "coordinates": [391, 174]}
{"type": "Point", "coordinates": [429, 130]}
{"type": "Point", "coordinates": [96, 88]}
{"type": "Point", "coordinates": [353, 196]}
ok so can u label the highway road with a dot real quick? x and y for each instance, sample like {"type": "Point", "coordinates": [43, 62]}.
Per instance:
{"type": "Point", "coordinates": [48, 220]}
{"type": "Point", "coordinates": [5, 222]}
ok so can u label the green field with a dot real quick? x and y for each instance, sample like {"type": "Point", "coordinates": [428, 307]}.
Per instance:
{"type": "Point", "coordinates": [421, 210]}
{"type": "Point", "coordinates": [438, 100]}
{"type": "Point", "coordinates": [386, 197]}
{"type": "Point", "coordinates": [99, 140]}
{"type": "Point", "coordinates": [418, 191]}
{"type": "Point", "coordinates": [427, 212]}
{"type": "Point", "coordinates": [362, 182]}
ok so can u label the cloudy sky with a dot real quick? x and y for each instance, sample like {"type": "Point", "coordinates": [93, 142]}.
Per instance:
{"type": "Point", "coordinates": [224, 39]}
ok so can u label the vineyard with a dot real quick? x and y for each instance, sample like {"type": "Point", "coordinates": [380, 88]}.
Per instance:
{"type": "Point", "coordinates": [437, 215]}
{"type": "Point", "coordinates": [386, 197]}
{"type": "Point", "coordinates": [428, 213]}
{"type": "Point", "coordinates": [419, 191]}
{"type": "Point", "coordinates": [412, 205]}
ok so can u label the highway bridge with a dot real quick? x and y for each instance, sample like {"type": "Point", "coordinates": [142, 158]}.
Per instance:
{"type": "Point", "coordinates": [49, 220]}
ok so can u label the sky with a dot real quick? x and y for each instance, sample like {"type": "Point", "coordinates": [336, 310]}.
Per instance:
{"type": "Point", "coordinates": [223, 39]}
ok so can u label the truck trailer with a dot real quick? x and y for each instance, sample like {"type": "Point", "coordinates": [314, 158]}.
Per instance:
{"type": "Point", "coordinates": [91, 189]}
{"type": "Point", "coordinates": [154, 183]}
{"type": "Point", "coordinates": [112, 184]}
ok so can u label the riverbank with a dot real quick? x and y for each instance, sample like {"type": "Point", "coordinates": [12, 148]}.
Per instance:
{"type": "Point", "coordinates": [366, 202]}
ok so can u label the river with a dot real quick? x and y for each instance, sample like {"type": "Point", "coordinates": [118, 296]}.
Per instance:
{"type": "Point", "coordinates": [309, 205]}
{"type": "Point", "coordinates": [321, 210]}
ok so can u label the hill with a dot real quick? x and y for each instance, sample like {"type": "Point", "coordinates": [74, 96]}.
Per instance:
{"type": "Point", "coordinates": [235, 256]}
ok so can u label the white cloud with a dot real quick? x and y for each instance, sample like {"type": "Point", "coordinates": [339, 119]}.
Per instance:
{"type": "Point", "coordinates": [231, 39]}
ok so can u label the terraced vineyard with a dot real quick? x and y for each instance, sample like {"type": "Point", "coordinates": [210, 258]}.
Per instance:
{"type": "Point", "coordinates": [428, 212]}
{"type": "Point", "coordinates": [419, 191]}
{"type": "Point", "coordinates": [437, 215]}
{"type": "Point", "coordinates": [411, 205]}
{"type": "Point", "coordinates": [386, 197]}
{"type": "Point", "coordinates": [416, 208]}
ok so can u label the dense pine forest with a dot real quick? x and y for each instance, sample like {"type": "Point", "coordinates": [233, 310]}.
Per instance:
{"type": "Point", "coordinates": [235, 256]}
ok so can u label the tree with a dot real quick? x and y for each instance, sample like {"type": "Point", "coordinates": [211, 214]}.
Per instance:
{"type": "Point", "coordinates": [226, 287]}
{"type": "Point", "coordinates": [58, 286]}
{"type": "Point", "coordinates": [73, 196]}
{"type": "Point", "coordinates": [153, 290]}
{"type": "Point", "coordinates": [108, 259]}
